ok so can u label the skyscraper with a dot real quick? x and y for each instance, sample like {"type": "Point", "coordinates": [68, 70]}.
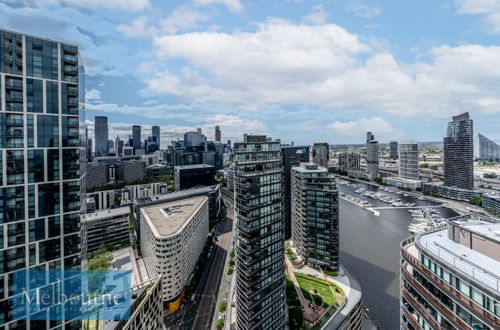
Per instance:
{"type": "Point", "coordinates": [321, 154]}
{"type": "Point", "coordinates": [458, 146]}
{"type": "Point", "coordinates": [487, 149]}
{"type": "Point", "coordinates": [155, 132]}
{"type": "Point", "coordinates": [260, 285]}
{"type": "Point", "coordinates": [119, 146]}
{"type": "Point", "coordinates": [101, 136]}
{"type": "Point", "coordinates": [315, 216]}
{"type": "Point", "coordinates": [393, 149]}
{"type": "Point", "coordinates": [371, 156]}
{"type": "Point", "coordinates": [42, 156]}
{"type": "Point", "coordinates": [218, 137]}
{"type": "Point", "coordinates": [408, 160]}
{"type": "Point", "coordinates": [292, 156]}
{"type": "Point", "coordinates": [136, 137]}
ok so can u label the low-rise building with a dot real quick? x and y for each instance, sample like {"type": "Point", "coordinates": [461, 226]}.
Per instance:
{"type": "Point", "coordinates": [106, 227]}
{"type": "Point", "coordinates": [449, 276]}
{"type": "Point", "coordinates": [191, 176]}
{"type": "Point", "coordinates": [455, 193]}
{"type": "Point", "coordinates": [349, 161]}
{"type": "Point", "coordinates": [492, 203]}
{"type": "Point", "coordinates": [173, 235]}
{"type": "Point", "coordinates": [402, 183]}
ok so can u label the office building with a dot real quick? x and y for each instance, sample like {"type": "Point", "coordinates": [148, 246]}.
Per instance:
{"type": "Point", "coordinates": [449, 276]}
{"type": "Point", "coordinates": [321, 154]}
{"type": "Point", "coordinates": [155, 132]}
{"type": "Point", "coordinates": [106, 227]}
{"type": "Point", "coordinates": [408, 160]}
{"type": "Point", "coordinates": [487, 149]}
{"type": "Point", "coordinates": [393, 149]}
{"type": "Point", "coordinates": [128, 151]}
{"type": "Point", "coordinates": [259, 240]}
{"type": "Point", "coordinates": [458, 145]}
{"type": "Point", "coordinates": [119, 146]}
{"type": "Point", "coordinates": [136, 137]}
{"type": "Point", "coordinates": [218, 136]}
{"type": "Point", "coordinates": [371, 156]}
{"type": "Point", "coordinates": [111, 145]}
{"type": "Point", "coordinates": [173, 235]}
{"type": "Point", "coordinates": [42, 157]}
{"type": "Point", "coordinates": [349, 161]}
{"type": "Point", "coordinates": [315, 216]}
{"type": "Point", "coordinates": [212, 193]}
{"type": "Point", "coordinates": [101, 136]}
{"type": "Point", "coordinates": [292, 156]}
{"type": "Point", "coordinates": [192, 176]}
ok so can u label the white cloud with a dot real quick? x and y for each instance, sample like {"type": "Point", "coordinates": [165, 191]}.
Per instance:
{"type": "Point", "coordinates": [318, 15]}
{"type": "Point", "coordinates": [363, 8]}
{"type": "Point", "coordinates": [489, 8]}
{"type": "Point", "coordinates": [136, 29]}
{"type": "Point", "coordinates": [182, 18]}
{"type": "Point", "coordinates": [382, 129]}
{"type": "Point", "coordinates": [326, 66]}
{"type": "Point", "coordinates": [93, 95]}
{"type": "Point", "coordinates": [129, 5]}
{"type": "Point", "coordinates": [233, 5]}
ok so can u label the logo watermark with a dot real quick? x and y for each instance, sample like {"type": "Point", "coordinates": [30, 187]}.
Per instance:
{"type": "Point", "coordinates": [70, 295]}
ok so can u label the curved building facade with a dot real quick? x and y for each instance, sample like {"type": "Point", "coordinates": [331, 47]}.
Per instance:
{"type": "Point", "coordinates": [450, 276]}
{"type": "Point", "coordinates": [173, 235]}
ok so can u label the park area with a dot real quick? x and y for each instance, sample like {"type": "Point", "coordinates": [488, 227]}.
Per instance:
{"type": "Point", "coordinates": [320, 292]}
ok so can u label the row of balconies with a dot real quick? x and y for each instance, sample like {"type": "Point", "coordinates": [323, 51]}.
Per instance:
{"type": "Point", "coordinates": [445, 288]}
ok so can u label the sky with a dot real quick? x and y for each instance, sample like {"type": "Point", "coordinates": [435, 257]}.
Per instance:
{"type": "Point", "coordinates": [299, 70]}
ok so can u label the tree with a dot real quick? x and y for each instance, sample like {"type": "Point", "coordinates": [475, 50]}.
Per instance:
{"type": "Point", "coordinates": [230, 270]}
{"type": "Point", "coordinates": [476, 201]}
{"type": "Point", "coordinates": [222, 306]}
{"type": "Point", "coordinates": [219, 324]}
{"type": "Point", "coordinates": [100, 261]}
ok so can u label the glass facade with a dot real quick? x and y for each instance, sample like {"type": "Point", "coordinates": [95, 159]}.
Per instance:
{"type": "Point", "coordinates": [40, 145]}
{"type": "Point", "coordinates": [315, 216]}
{"type": "Point", "coordinates": [260, 228]}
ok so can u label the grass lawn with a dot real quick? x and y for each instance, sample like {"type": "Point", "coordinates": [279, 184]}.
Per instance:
{"type": "Point", "coordinates": [323, 290]}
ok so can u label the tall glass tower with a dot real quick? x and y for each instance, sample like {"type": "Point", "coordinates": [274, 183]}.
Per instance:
{"type": "Point", "coordinates": [42, 157]}
{"type": "Point", "coordinates": [458, 145]}
{"type": "Point", "coordinates": [260, 265]}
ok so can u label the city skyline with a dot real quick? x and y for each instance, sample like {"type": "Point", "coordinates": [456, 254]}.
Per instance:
{"type": "Point", "coordinates": [334, 96]}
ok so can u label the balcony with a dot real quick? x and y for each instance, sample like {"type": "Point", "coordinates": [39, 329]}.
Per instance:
{"type": "Point", "coordinates": [70, 58]}
{"type": "Point", "coordinates": [14, 84]}
{"type": "Point", "coordinates": [70, 70]}
{"type": "Point", "coordinates": [447, 288]}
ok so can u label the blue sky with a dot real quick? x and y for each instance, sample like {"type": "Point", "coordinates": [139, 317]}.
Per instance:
{"type": "Point", "coordinates": [299, 70]}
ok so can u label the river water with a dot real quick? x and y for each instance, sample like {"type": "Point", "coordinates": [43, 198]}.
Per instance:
{"type": "Point", "coordinates": [369, 247]}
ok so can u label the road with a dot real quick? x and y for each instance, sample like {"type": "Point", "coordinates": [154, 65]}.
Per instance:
{"type": "Point", "coordinates": [200, 314]}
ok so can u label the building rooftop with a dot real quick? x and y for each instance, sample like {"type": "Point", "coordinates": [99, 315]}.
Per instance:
{"type": "Point", "coordinates": [166, 219]}
{"type": "Point", "coordinates": [309, 168]}
{"type": "Point", "coordinates": [195, 166]}
{"type": "Point", "coordinates": [140, 202]}
{"type": "Point", "coordinates": [472, 263]}
{"type": "Point", "coordinates": [105, 214]}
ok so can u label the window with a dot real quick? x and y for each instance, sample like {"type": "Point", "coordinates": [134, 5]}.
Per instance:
{"type": "Point", "coordinates": [48, 199]}
{"type": "Point", "coordinates": [15, 167]}
{"type": "Point", "coordinates": [35, 166]}
{"type": "Point", "coordinates": [48, 131]}
{"type": "Point", "coordinates": [52, 164]}
{"type": "Point", "coordinates": [36, 230]}
{"type": "Point", "coordinates": [52, 96]}
{"type": "Point", "coordinates": [34, 95]}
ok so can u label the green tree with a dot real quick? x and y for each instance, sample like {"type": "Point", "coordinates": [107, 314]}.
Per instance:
{"type": "Point", "coordinates": [219, 324]}
{"type": "Point", "coordinates": [476, 201]}
{"type": "Point", "coordinates": [222, 306]}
